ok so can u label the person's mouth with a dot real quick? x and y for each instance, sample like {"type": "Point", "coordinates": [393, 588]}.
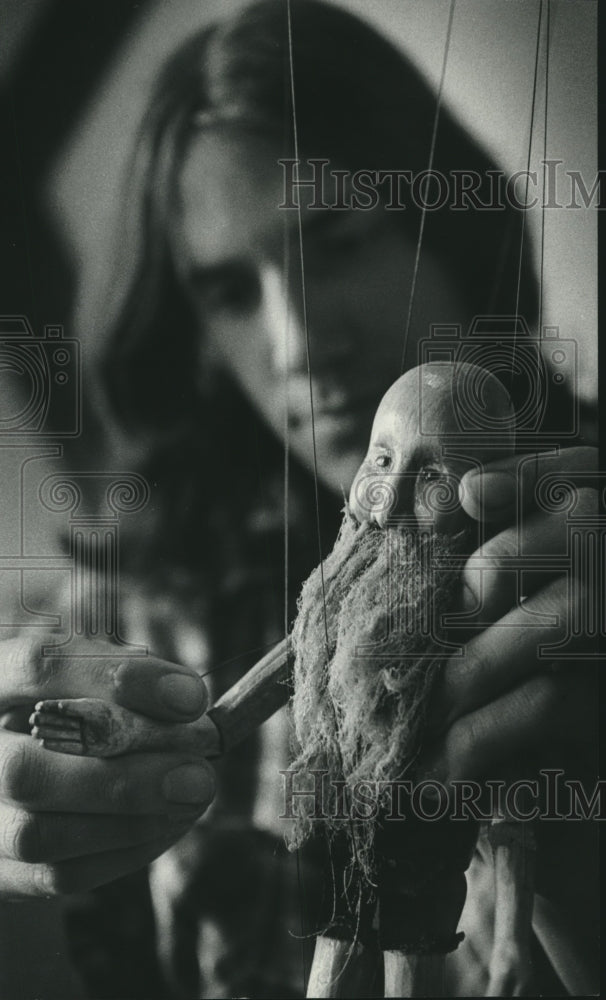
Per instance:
{"type": "Point", "coordinates": [329, 404]}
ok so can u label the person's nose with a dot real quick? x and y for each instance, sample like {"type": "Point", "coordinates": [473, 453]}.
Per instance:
{"type": "Point", "coordinates": [282, 321]}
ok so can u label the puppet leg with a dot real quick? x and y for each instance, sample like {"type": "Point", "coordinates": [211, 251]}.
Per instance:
{"type": "Point", "coordinates": [513, 848]}
{"type": "Point", "coordinates": [346, 957]}
{"type": "Point", "coordinates": [421, 893]}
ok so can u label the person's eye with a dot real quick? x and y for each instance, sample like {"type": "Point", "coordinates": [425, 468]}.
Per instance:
{"type": "Point", "coordinates": [341, 242]}
{"type": "Point", "coordinates": [383, 461]}
{"type": "Point", "coordinates": [332, 245]}
{"type": "Point", "coordinates": [237, 294]}
{"type": "Point", "coordinates": [234, 291]}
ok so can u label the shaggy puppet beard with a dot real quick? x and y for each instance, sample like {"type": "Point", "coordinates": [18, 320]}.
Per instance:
{"type": "Point", "coordinates": [367, 654]}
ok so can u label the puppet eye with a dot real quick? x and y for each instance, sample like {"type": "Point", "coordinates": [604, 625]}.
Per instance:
{"type": "Point", "coordinates": [383, 461]}
{"type": "Point", "coordinates": [429, 475]}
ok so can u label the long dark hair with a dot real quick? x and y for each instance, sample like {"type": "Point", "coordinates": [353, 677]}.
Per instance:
{"type": "Point", "coordinates": [360, 103]}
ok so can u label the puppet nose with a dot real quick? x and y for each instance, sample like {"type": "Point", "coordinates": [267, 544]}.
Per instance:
{"type": "Point", "coordinates": [377, 498]}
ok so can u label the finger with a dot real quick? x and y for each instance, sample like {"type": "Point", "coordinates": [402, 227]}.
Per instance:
{"type": "Point", "coordinates": [482, 743]}
{"type": "Point", "coordinates": [24, 881]}
{"type": "Point", "coordinates": [31, 670]}
{"type": "Point", "coordinates": [493, 492]}
{"type": "Point", "coordinates": [519, 645]}
{"type": "Point", "coordinates": [36, 838]}
{"type": "Point", "coordinates": [137, 784]}
{"type": "Point", "coordinates": [517, 561]}
{"type": "Point", "coordinates": [170, 878]}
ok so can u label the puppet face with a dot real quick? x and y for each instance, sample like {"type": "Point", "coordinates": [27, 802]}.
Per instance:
{"type": "Point", "coordinates": [414, 462]}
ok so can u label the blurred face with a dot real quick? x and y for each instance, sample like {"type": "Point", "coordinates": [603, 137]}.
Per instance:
{"type": "Point", "coordinates": [312, 332]}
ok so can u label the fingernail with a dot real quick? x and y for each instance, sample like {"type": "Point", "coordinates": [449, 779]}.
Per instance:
{"type": "Point", "coordinates": [189, 783]}
{"type": "Point", "coordinates": [430, 790]}
{"type": "Point", "coordinates": [469, 600]}
{"type": "Point", "coordinates": [182, 692]}
{"type": "Point", "coordinates": [182, 821]}
{"type": "Point", "coordinates": [501, 487]}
